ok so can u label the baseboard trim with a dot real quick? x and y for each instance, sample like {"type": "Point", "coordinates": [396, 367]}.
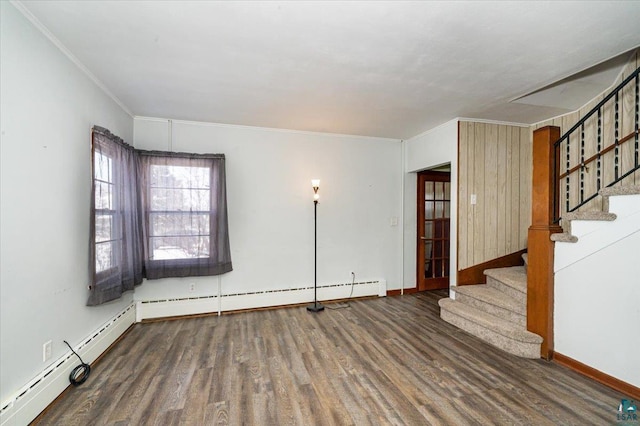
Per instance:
{"type": "Point", "coordinates": [242, 301]}
{"type": "Point", "coordinates": [263, 308]}
{"type": "Point", "coordinates": [400, 292]}
{"type": "Point", "coordinates": [37, 395]}
{"type": "Point", "coordinates": [475, 274]}
{"type": "Point", "coordinates": [597, 375]}
{"type": "Point", "coordinates": [93, 364]}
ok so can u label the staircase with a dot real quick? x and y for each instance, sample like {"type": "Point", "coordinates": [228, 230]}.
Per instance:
{"type": "Point", "coordinates": [600, 152]}
{"type": "Point", "coordinates": [588, 220]}
{"type": "Point", "coordinates": [596, 291]}
{"type": "Point", "coordinates": [495, 312]}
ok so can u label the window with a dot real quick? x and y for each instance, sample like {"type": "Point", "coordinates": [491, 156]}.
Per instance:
{"type": "Point", "coordinates": [180, 212]}
{"type": "Point", "coordinates": [185, 215]}
{"type": "Point", "coordinates": [116, 249]}
{"type": "Point", "coordinates": [106, 239]}
{"type": "Point", "coordinates": [154, 215]}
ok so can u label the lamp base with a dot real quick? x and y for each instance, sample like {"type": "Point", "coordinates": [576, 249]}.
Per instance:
{"type": "Point", "coordinates": [315, 307]}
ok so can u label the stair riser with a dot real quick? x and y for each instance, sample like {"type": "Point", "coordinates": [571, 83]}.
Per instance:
{"type": "Point", "coordinates": [508, 290]}
{"type": "Point", "coordinates": [515, 317]}
{"type": "Point", "coordinates": [521, 349]}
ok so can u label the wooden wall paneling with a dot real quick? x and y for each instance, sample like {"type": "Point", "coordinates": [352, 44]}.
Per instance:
{"type": "Point", "coordinates": [562, 166]}
{"type": "Point", "coordinates": [574, 158]}
{"type": "Point", "coordinates": [508, 190]}
{"type": "Point", "coordinates": [471, 209]}
{"type": "Point", "coordinates": [463, 194]}
{"type": "Point", "coordinates": [475, 274]}
{"type": "Point", "coordinates": [495, 164]}
{"type": "Point", "coordinates": [525, 185]}
{"type": "Point", "coordinates": [590, 148]}
{"type": "Point", "coordinates": [627, 126]}
{"type": "Point", "coordinates": [479, 220]}
{"type": "Point", "coordinates": [501, 201]}
{"type": "Point", "coordinates": [491, 206]}
{"type": "Point", "coordinates": [516, 148]}
{"type": "Point", "coordinates": [557, 122]}
{"type": "Point", "coordinates": [607, 140]}
{"type": "Point", "coordinates": [589, 175]}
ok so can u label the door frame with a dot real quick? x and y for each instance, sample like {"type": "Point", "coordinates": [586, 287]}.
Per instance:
{"type": "Point", "coordinates": [435, 283]}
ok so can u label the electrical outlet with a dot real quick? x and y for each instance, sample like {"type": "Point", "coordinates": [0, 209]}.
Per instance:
{"type": "Point", "coordinates": [192, 287]}
{"type": "Point", "coordinates": [46, 351]}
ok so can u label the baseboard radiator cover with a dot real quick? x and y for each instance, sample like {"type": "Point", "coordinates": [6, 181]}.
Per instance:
{"type": "Point", "coordinates": [43, 389]}
{"type": "Point", "coordinates": [160, 308]}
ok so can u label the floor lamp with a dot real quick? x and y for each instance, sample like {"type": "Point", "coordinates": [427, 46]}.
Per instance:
{"type": "Point", "coordinates": [315, 307]}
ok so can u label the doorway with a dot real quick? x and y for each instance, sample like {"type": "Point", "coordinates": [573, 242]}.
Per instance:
{"type": "Point", "coordinates": [434, 213]}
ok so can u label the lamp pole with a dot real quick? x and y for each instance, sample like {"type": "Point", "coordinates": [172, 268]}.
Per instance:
{"type": "Point", "coordinates": [315, 307]}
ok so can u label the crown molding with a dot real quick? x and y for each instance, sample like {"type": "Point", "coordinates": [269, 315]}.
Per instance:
{"type": "Point", "coordinates": [48, 34]}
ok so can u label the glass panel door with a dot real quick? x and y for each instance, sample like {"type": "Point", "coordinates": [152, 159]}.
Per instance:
{"type": "Point", "coordinates": [434, 209]}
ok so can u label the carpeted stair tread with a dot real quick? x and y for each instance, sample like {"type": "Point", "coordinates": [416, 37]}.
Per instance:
{"type": "Point", "coordinates": [620, 190]}
{"type": "Point", "coordinates": [494, 302]}
{"type": "Point", "coordinates": [503, 334]}
{"type": "Point", "coordinates": [514, 277]}
{"type": "Point", "coordinates": [563, 237]}
{"type": "Point", "coordinates": [590, 215]}
{"type": "Point", "coordinates": [500, 326]}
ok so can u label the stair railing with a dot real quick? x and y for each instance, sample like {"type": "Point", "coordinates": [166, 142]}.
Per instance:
{"type": "Point", "coordinates": [575, 171]}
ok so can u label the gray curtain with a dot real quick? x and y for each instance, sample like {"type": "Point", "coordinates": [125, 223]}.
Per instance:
{"type": "Point", "coordinates": [184, 199]}
{"type": "Point", "coordinates": [154, 214]}
{"type": "Point", "coordinates": [116, 233]}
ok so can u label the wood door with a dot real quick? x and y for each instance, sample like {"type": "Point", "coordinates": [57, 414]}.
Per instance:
{"type": "Point", "coordinates": [434, 212]}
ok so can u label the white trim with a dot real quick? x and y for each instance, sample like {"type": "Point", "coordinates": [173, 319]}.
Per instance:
{"type": "Point", "coordinates": [473, 120]}
{"type": "Point", "coordinates": [48, 34]}
{"type": "Point", "coordinates": [30, 400]}
{"type": "Point", "coordinates": [557, 116]}
{"type": "Point", "coordinates": [212, 304]}
{"type": "Point", "coordinates": [500, 123]}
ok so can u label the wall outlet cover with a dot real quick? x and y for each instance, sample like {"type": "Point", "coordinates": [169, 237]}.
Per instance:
{"type": "Point", "coordinates": [46, 351]}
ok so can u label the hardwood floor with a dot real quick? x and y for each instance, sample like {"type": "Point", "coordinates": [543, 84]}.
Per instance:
{"type": "Point", "coordinates": [381, 361]}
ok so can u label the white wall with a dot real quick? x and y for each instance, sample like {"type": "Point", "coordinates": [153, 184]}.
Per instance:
{"type": "Point", "coordinates": [597, 296]}
{"type": "Point", "coordinates": [269, 194]}
{"type": "Point", "coordinates": [47, 109]}
{"type": "Point", "coordinates": [434, 148]}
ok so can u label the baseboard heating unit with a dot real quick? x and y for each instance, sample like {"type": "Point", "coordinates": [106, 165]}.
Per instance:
{"type": "Point", "coordinates": [36, 395]}
{"type": "Point", "coordinates": [148, 309]}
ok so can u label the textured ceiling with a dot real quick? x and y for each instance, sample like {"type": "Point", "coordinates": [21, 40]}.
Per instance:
{"type": "Point", "coordinates": [388, 69]}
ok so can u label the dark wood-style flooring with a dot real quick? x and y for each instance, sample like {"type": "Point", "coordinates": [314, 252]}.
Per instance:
{"type": "Point", "coordinates": [381, 361]}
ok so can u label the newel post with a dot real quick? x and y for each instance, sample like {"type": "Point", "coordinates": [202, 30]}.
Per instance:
{"type": "Point", "coordinates": [540, 246]}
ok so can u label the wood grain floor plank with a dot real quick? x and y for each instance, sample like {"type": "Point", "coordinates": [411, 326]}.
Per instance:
{"type": "Point", "coordinates": [380, 361]}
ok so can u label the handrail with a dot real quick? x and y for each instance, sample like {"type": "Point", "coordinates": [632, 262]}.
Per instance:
{"type": "Point", "coordinates": [601, 153]}
{"type": "Point", "coordinates": [574, 165]}
{"type": "Point", "coordinates": [597, 107]}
